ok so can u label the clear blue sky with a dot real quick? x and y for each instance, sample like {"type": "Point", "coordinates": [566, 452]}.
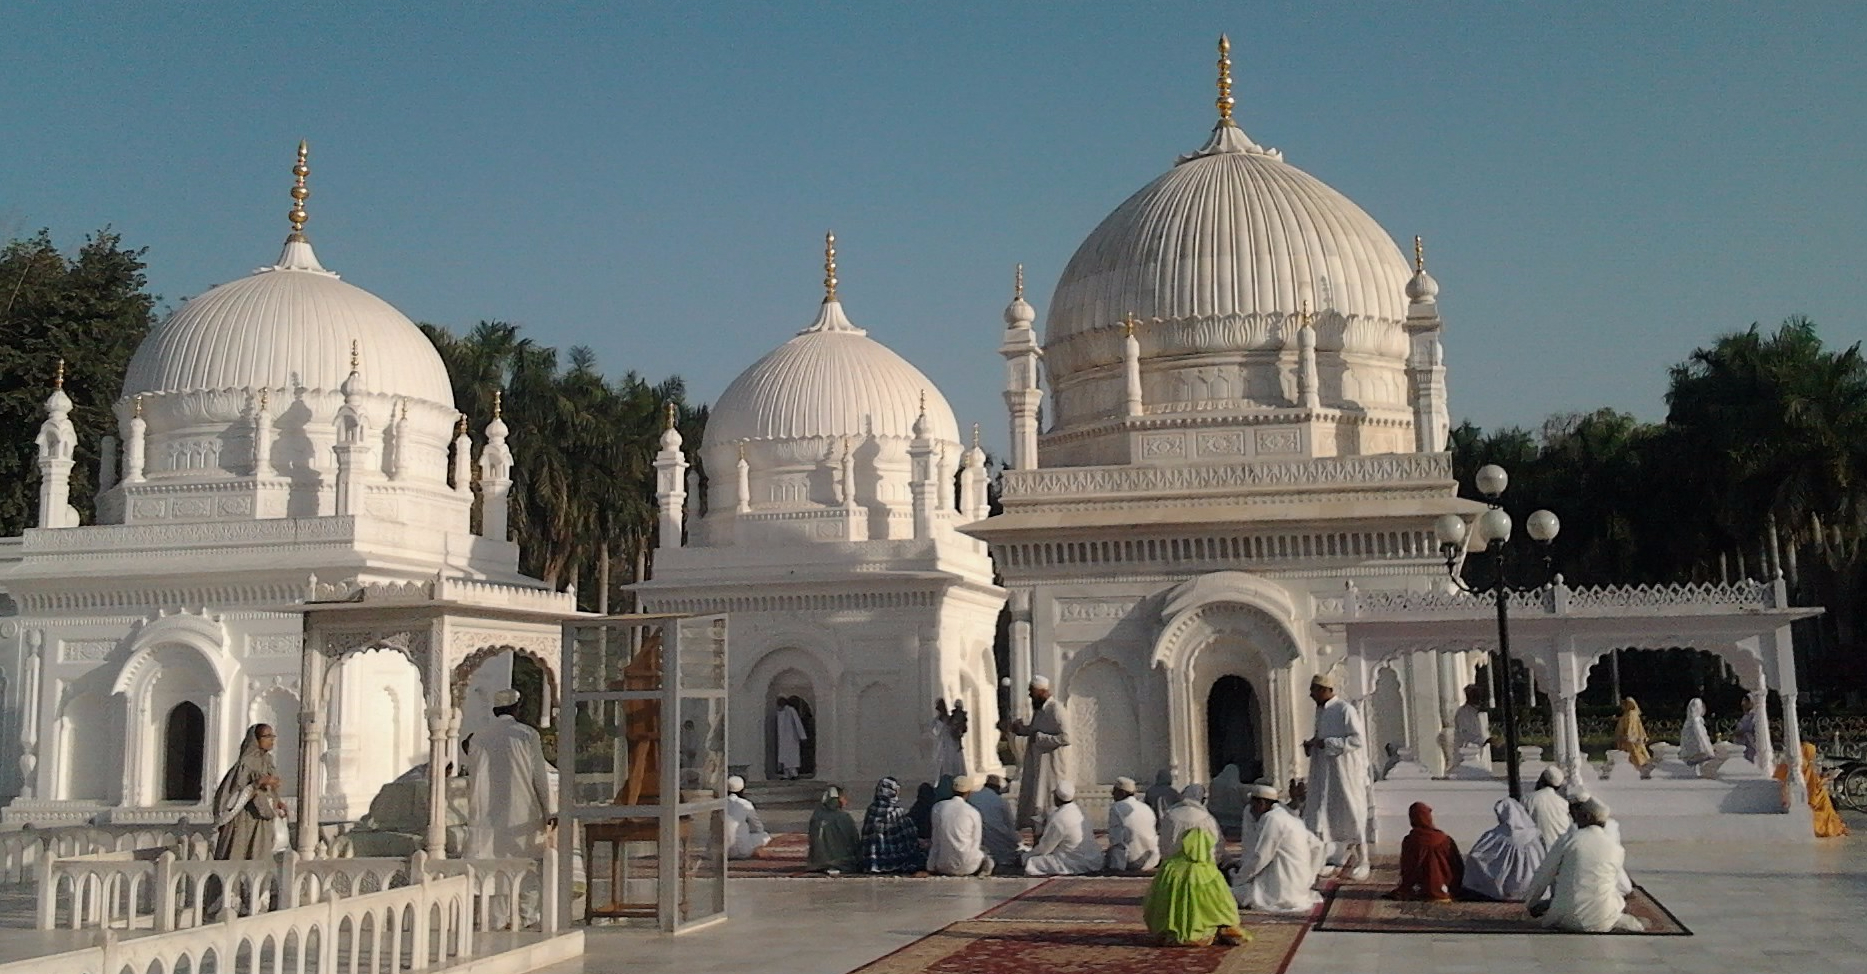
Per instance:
{"type": "Point", "coordinates": [1602, 187]}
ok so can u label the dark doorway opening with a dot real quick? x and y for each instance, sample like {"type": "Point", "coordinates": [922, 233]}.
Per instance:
{"type": "Point", "coordinates": [184, 753]}
{"type": "Point", "coordinates": [1232, 728]}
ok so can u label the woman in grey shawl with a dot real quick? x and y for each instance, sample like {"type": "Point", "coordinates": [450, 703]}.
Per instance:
{"type": "Point", "coordinates": [247, 801]}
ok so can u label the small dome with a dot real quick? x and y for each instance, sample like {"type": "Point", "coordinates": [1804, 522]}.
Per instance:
{"type": "Point", "coordinates": [1422, 289]}
{"type": "Point", "coordinates": [288, 326]}
{"type": "Point", "coordinates": [1019, 312]}
{"type": "Point", "coordinates": [831, 380]}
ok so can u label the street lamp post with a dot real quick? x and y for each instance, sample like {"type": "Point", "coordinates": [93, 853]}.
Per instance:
{"type": "Point", "coordinates": [1494, 527]}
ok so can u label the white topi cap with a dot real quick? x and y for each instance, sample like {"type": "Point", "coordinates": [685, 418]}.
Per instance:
{"type": "Point", "coordinates": [1323, 680]}
{"type": "Point", "coordinates": [965, 784]}
{"type": "Point", "coordinates": [1064, 791]}
{"type": "Point", "coordinates": [1126, 784]}
{"type": "Point", "coordinates": [735, 784]}
{"type": "Point", "coordinates": [1040, 683]}
{"type": "Point", "coordinates": [1265, 792]}
{"type": "Point", "coordinates": [505, 698]}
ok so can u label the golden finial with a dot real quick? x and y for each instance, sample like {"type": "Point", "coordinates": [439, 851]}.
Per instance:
{"type": "Point", "coordinates": [742, 451]}
{"type": "Point", "coordinates": [460, 424]}
{"type": "Point", "coordinates": [923, 402]}
{"type": "Point", "coordinates": [1017, 290]}
{"type": "Point", "coordinates": [355, 360]}
{"type": "Point", "coordinates": [1419, 254]}
{"type": "Point", "coordinates": [829, 267]}
{"type": "Point", "coordinates": [975, 436]}
{"type": "Point", "coordinates": [1127, 325]}
{"type": "Point", "coordinates": [1303, 316]}
{"type": "Point", "coordinates": [499, 403]}
{"type": "Point", "coordinates": [58, 381]}
{"type": "Point", "coordinates": [136, 406]}
{"type": "Point", "coordinates": [1225, 81]}
{"type": "Point", "coordinates": [299, 192]}
{"type": "Point", "coordinates": [265, 399]}
{"type": "Point", "coordinates": [670, 415]}
{"type": "Point", "coordinates": [404, 413]}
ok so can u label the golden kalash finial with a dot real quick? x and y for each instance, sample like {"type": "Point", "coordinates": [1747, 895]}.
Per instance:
{"type": "Point", "coordinates": [1419, 254]}
{"type": "Point", "coordinates": [975, 436]}
{"type": "Point", "coordinates": [136, 406]}
{"type": "Point", "coordinates": [58, 381]}
{"type": "Point", "coordinates": [1303, 315]}
{"type": "Point", "coordinates": [829, 267]}
{"type": "Point", "coordinates": [460, 425]}
{"type": "Point", "coordinates": [923, 402]}
{"type": "Point", "coordinates": [1225, 81]}
{"type": "Point", "coordinates": [499, 403]}
{"type": "Point", "coordinates": [1128, 324]}
{"type": "Point", "coordinates": [1017, 288]}
{"type": "Point", "coordinates": [356, 361]}
{"type": "Point", "coordinates": [671, 414]}
{"type": "Point", "coordinates": [265, 399]}
{"type": "Point", "coordinates": [299, 192]}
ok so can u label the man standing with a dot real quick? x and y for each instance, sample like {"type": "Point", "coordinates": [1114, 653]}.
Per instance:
{"type": "Point", "coordinates": [791, 738]}
{"type": "Point", "coordinates": [957, 834]}
{"type": "Point", "coordinates": [509, 787]}
{"type": "Point", "coordinates": [1278, 871]}
{"type": "Point", "coordinates": [1042, 768]}
{"type": "Point", "coordinates": [1068, 846]}
{"type": "Point", "coordinates": [1335, 805]}
{"type": "Point", "coordinates": [1134, 842]}
{"type": "Point", "coordinates": [1470, 727]}
{"type": "Point", "coordinates": [1001, 840]}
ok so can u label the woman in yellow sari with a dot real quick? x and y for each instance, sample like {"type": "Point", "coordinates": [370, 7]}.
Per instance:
{"type": "Point", "coordinates": [1828, 822]}
{"type": "Point", "coordinates": [1630, 735]}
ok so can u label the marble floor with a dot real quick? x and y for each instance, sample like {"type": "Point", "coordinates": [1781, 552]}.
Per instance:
{"type": "Point", "coordinates": [1756, 909]}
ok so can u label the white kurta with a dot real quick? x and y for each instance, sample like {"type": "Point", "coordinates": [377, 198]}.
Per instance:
{"type": "Point", "coordinates": [1068, 847]}
{"type": "Point", "coordinates": [1001, 838]}
{"type": "Point", "coordinates": [745, 834]}
{"type": "Point", "coordinates": [509, 792]}
{"type": "Point", "coordinates": [1134, 836]}
{"type": "Point", "coordinates": [1582, 870]}
{"type": "Point", "coordinates": [1184, 818]}
{"type": "Point", "coordinates": [948, 759]}
{"type": "Point", "coordinates": [791, 738]}
{"type": "Point", "coordinates": [1550, 811]}
{"type": "Point", "coordinates": [1043, 763]}
{"type": "Point", "coordinates": [1279, 867]}
{"type": "Point", "coordinates": [958, 836]}
{"type": "Point", "coordinates": [1336, 807]}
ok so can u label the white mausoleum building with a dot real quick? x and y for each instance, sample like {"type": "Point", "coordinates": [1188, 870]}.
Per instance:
{"type": "Point", "coordinates": [281, 534]}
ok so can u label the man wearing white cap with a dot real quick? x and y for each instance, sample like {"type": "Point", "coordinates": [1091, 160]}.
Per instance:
{"type": "Point", "coordinates": [1043, 765]}
{"type": "Point", "coordinates": [958, 832]}
{"type": "Point", "coordinates": [1278, 870]}
{"type": "Point", "coordinates": [1582, 875]}
{"type": "Point", "coordinates": [510, 796]}
{"type": "Point", "coordinates": [745, 834]}
{"type": "Point", "coordinates": [1069, 846]}
{"type": "Point", "coordinates": [1335, 806]}
{"type": "Point", "coordinates": [1134, 842]}
{"type": "Point", "coordinates": [1548, 808]}
{"type": "Point", "coordinates": [1002, 842]}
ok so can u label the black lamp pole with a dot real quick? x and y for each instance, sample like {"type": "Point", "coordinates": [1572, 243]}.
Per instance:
{"type": "Point", "coordinates": [1502, 593]}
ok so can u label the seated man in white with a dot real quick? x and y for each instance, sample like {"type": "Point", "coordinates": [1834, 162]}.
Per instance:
{"type": "Point", "coordinates": [1134, 839]}
{"type": "Point", "coordinates": [745, 834]}
{"type": "Point", "coordinates": [1582, 873]}
{"type": "Point", "coordinates": [1277, 872]}
{"type": "Point", "coordinates": [1188, 814]}
{"type": "Point", "coordinates": [1549, 807]}
{"type": "Point", "coordinates": [1068, 846]}
{"type": "Point", "coordinates": [958, 830]}
{"type": "Point", "coordinates": [1002, 842]}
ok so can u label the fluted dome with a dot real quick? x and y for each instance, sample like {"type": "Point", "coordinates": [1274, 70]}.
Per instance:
{"type": "Point", "coordinates": [830, 380]}
{"type": "Point", "coordinates": [288, 326]}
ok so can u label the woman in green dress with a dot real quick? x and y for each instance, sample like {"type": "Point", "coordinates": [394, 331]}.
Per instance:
{"type": "Point", "coordinates": [1189, 903]}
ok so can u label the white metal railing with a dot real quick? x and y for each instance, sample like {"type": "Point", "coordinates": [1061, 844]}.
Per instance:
{"type": "Point", "coordinates": [426, 923]}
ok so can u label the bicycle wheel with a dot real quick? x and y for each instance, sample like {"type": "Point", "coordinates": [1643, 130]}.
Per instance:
{"type": "Point", "coordinates": [1850, 789]}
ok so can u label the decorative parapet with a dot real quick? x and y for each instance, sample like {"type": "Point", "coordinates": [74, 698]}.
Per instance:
{"type": "Point", "coordinates": [119, 538]}
{"type": "Point", "coordinates": [1558, 599]}
{"type": "Point", "coordinates": [1318, 474]}
{"type": "Point", "coordinates": [440, 588]}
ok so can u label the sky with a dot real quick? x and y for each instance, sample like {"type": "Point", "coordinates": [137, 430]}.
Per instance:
{"type": "Point", "coordinates": [1602, 187]}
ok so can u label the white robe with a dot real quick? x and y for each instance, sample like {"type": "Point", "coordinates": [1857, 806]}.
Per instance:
{"type": "Point", "coordinates": [1550, 810]}
{"type": "Point", "coordinates": [1001, 839]}
{"type": "Point", "coordinates": [1499, 865]}
{"type": "Point", "coordinates": [1336, 807]}
{"type": "Point", "coordinates": [509, 792]}
{"type": "Point", "coordinates": [1582, 871]}
{"type": "Point", "coordinates": [1694, 739]}
{"type": "Point", "coordinates": [1068, 848]}
{"type": "Point", "coordinates": [1184, 818]}
{"type": "Point", "coordinates": [958, 834]}
{"type": "Point", "coordinates": [745, 834]}
{"type": "Point", "coordinates": [791, 738]}
{"type": "Point", "coordinates": [1278, 870]}
{"type": "Point", "coordinates": [1043, 764]}
{"type": "Point", "coordinates": [948, 759]}
{"type": "Point", "coordinates": [1134, 837]}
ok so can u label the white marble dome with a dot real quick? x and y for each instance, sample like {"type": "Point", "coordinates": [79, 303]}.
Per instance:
{"type": "Point", "coordinates": [286, 327]}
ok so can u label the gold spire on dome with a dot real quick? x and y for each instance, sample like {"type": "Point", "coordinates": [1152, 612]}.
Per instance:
{"type": "Point", "coordinates": [460, 425]}
{"type": "Point", "coordinates": [923, 402]}
{"type": "Point", "coordinates": [742, 451]}
{"type": "Point", "coordinates": [1303, 316]}
{"type": "Point", "coordinates": [58, 380]}
{"type": "Point", "coordinates": [1419, 254]}
{"type": "Point", "coordinates": [1128, 324]}
{"type": "Point", "coordinates": [499, 403]}
{"type": "Point", "coordinates": [1017, 288]}
{"type": "Point", "coordinates": [136, 406]}
{"type": "Point", "coordinates": [355, 361]}
{"type": "Point", "coordinates": [1225, 82]}
{"type": "Point", "coordinates": [404, 414]}
{"type": "Point", "coordinates": [975, 436]}
{"type": "Point", "coordinates": [829, 267]}
{"type": "Point", "coordinates": [265, 399]}
{"type": "Point", "coordinates": [299, 192]}
{"type": "Point", "coordinates": [670, 415]}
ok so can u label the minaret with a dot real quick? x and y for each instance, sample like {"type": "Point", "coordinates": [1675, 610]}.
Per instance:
{"type": "Point", "coordinates": [849, 474]}
{"type": "Point", "coordinates": [398, 445]}
{"type": "Point", "coordinates": [1131, 365]}
{"type": "Point", "coordinates": [1022, 396]}
{"type": "Point", "coordinates": [133, 443]}
{"type": "Point", "coordinates": [352, 448]}
{"type": "Point", "coordinates": [496, 475]}
{"type": "Point", "coordinates": [463, 457]}
{"type": "Point", "coordinates": [921, 482]}
{"type": "Point", "coordinates": [1426, 370]}
{"type": "Point", "coordinates": [742, 486]}
{"type": "Point", "coordinates": [972, 492]}
{"type": "Point", "coordinates": [671, 482]}
{"type": "Point", "coordinates": [57, 439]}
{"type": "Point", "coordinates": [1308, 395]}
{"type": "Point", "coordinates": [262, 436]}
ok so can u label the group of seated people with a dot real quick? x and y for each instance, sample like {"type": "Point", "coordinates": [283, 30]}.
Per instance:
{"type": "Point", "coordinates": [960, 827]}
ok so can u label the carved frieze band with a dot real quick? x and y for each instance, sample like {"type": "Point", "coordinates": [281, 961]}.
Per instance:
{"type": "Point", "coordinates": [1318, 472]}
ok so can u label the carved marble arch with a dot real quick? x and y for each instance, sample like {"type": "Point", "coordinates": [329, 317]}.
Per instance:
{"type": "Point", "coordinates": [1238, 603]}
{"type": "Point", "coordinates": [786, 654]}
{"type": "Point", "coordinates": [464, 670]}
{"type": "Point", "coordinates": [336, 645]}
{"type": "Point", "coordinates": [202, 635]}
{"type": "Point", "coordinates": [1744, 656]}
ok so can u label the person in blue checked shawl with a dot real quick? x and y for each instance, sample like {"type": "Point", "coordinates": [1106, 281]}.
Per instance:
{"type": "Point", "coordinates": [890, 842]}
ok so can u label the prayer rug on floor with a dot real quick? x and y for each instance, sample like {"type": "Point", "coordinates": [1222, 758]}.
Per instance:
{"type": "Point", "coordinates": [1097, 899]}
{"type": "Point", "coordinates": [1023, 947]}
{"type": "Point", "coordinates": [1362, 908]}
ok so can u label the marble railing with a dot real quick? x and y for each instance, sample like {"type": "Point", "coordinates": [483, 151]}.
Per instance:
{"type": "Point", "coordinates": [22, 851]}
{"type": "Point", "coordinates": [156, 889]}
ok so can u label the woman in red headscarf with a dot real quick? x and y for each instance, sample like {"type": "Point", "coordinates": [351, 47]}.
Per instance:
{"type": "Point", "coordinates": [1430, 865]}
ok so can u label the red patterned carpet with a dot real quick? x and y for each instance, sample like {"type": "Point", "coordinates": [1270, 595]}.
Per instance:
{"type": "Point", "coordinates": [1360, 908]}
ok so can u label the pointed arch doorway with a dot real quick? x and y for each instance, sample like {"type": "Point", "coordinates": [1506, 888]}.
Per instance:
{"type": "Point", "coordinates": [1232, 728]}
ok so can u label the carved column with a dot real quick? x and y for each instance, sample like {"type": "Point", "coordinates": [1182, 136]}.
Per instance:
{"type": "Point", "coordinates": [310, 743]}
{"type": "Point", "coordinates": [29, 717]}
{"type": "Point", "coordinates": [437, 776]}
{"type": "Point", "coordinates": [1021, 661]}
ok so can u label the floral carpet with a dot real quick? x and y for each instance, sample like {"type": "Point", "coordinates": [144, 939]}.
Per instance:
{"type": "Point", "coordinates": [1361, 908]}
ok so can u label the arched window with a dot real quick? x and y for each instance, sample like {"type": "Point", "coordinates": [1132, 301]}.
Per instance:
{"type": "Point", "coordinates": [184, 753]}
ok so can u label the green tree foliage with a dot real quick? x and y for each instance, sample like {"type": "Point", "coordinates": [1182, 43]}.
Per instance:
{"type": "Point", "coordinates": [91, 309]}
{"type": "Point", "coordinates": [583, 449]}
